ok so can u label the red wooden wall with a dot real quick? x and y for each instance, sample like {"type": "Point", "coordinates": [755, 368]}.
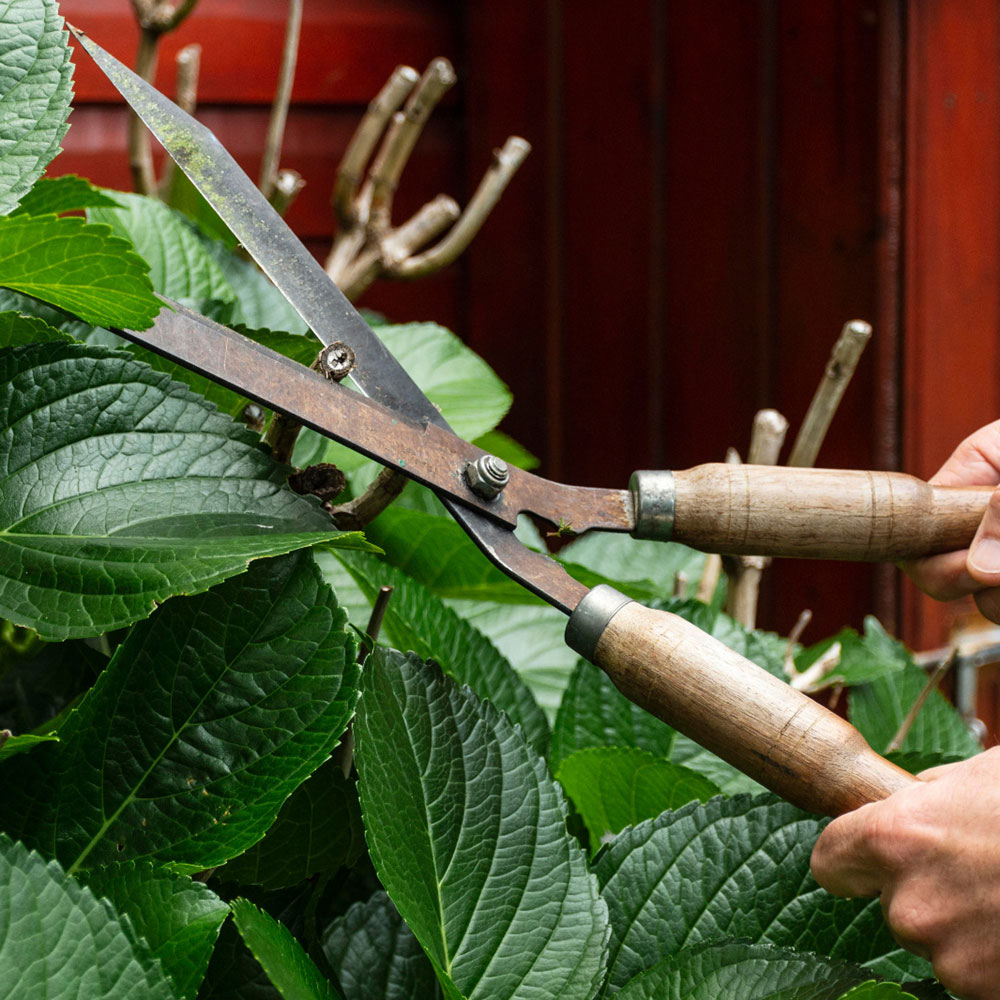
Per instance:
{"type": "Point", "coordinates": [715, 189]}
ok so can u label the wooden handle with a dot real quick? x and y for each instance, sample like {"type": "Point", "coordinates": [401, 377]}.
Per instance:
{"type": "Point", "coordinates": [822, 513]}
{"type": "Point", "coordinates": [770, 731]}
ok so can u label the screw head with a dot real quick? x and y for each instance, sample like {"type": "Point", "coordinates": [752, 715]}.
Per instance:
{"type": "Point", "coordinates": [335, 361]}
{"type": "Point", "coordinates": [487, 476]}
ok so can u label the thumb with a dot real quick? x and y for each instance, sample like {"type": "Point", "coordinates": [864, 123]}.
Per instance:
{"type": "Point", "coordinates": [984, 553]}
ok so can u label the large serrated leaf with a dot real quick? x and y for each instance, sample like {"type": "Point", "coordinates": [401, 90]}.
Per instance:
{"type": "Point", "coordinates": [35, 93]}
{"type": "Point", "coordinates": [179, 265]}
{"type": "Point", "coordinates": [68, 193]}
{"type": "Point", "coordinates": [59, 940]}
{"type": "Point", "coordinates": [209, 715]}
{"type": "Point", "coordinates": [417, 621]}
{"type": "Point", "coordinates": [732, 868]}
{"type": "Point", "coordinates": [750, 972]}
{"type": "Point", "coordinates": [879, 708]}
{"type": "Point", "coordinates": [616, 787]}
{"type": "Point", "coordinates": [468, 835]}
{"type": "Point", "coordinates": [375, 955]}
{"type": "Point", "coordinates": [179, 919]}
{"type": "Point", "coordinates": [594, 713]}
{"type": "Point", "coordinates": [121, 488]}
{"type": "Point", "coordinates": [17, 330]}
{"type": "Point", "coordinates": [317, 830]}
{"type": "Point", "coordinates": [287, 965]}
{"type": "Point", "coordinates": [79, 267]}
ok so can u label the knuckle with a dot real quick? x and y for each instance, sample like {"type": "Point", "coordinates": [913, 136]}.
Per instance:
{"type": "Point", "coordinates": [914, 924]}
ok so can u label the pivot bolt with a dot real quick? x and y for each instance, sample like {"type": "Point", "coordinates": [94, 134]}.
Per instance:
{"type": "Point", "coordinates": [335, 361]}
{"type": "Point", "coordinates": [487, 476]}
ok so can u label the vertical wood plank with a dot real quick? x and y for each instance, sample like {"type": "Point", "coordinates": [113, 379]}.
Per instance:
{"type": "Point", "coordinates": [952, 245]}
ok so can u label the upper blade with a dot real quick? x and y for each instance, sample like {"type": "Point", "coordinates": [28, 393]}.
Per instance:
{"type": "Point", "coordinates": [267, 238]}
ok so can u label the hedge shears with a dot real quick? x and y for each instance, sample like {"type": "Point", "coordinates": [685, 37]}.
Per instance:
{"type": "Point", "coordinates": [739, 711]}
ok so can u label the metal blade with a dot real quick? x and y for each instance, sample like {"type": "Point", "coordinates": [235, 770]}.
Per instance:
{"type": "Point", "coordinates": [267, 238]}
{"type": "Point", "coordinates": [421, 450]}
{"type": "Point", "coordinates": [319, 302]}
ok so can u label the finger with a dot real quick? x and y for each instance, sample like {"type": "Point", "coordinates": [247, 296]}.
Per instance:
{"type": "Point", "coordinates": [975, 462]}
{"type": "Point", "coordinates": [945, 577]}
{"type": "Point", "coordinates": [988, 602]}
{"type": "Point", "coordinates": [842, 862]}
{"type": "Point", "coordinates": [984, 554]}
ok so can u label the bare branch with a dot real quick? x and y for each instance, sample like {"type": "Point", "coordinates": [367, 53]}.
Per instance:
{"type": "Point", "coordinates": [282, 97]}
{"type": "Point", "coordinates": [427, 223]}
{"type": "Point", "coordinates": [402, 136]}
{"type": "Point", "coordinates": [709, 577]}
{"type": "Point", "coordinates": [843, 360]}
{"type": "Point", "coordinates": [767, 437]}
{"type": "Point", "coordinates": [188, 62]}
{"type": "Point", "coordinates": [355, 514]}
{"type": "Point", "coordinates": [167, 17]}
{"type": "Point", "coordinates": [506, 162]}
{"type": "Point", "coordinates": [932, 683]}
{"type": "Point", "coordinates": [793, 637]}
{"type": "Point", "coordinates": [363, 142]}
{"type": "Point", "coordinates": [140, 150]}
{"type": "Point", "coordinates": [287, 186]}
{"type": "Point", "coordinates": [811, 679]}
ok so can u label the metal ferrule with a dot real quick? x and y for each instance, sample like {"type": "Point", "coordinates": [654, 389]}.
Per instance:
{"type": "Point", "coordinates": [653, 494]}
{"type": "Point", "coordinates": [587, 623]}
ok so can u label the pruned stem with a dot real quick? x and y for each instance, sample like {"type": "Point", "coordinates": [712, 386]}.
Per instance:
{"type": "Point", "coordinates": [355, 514]}
{"type": "Point", "coordinates": [811, 679]}
{"type": "Point", "coordinates": [843, 361]}
{"type": "Point", "coordinates": [140, 150]}
{"type": "Point", "coordinates": [282, 98]}
{"type": "Point", "coordinates": [402, 135]}
{"type": "Point", "coordinates": [709, 577]}
{"type": "Point", "coordinates": [506, 162]}
{"type": "Point", "coordinates": [805, 617]}
{"type": "Point", "coordinates": [287, 186]}
{"type": "Point", "coordinates": [767, 437]}
{"type": "Point", "coordinates": [363, 142]}
{"type": "Point", "coordinates": [188, 62]}
{"type": "Point", "coordinates": [932, 683]}
{"type": "Point", "coordinates": [427, 223]}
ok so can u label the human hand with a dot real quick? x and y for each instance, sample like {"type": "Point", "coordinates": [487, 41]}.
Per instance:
{"type": "Point", "coordinates": [932, 852]}
{"type": "Point", "coordinates": [976, 570]}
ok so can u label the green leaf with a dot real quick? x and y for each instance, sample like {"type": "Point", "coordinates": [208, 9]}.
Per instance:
{"type": "Point", "coordinates": [735, 868]}
{"type": "Point", "coordinates": [615, 787]}
{"type": "Point", "coordinates": [878, 991]}
{"type": "Point", "coordinates": [375, 955]}
{"type": "Point", "coordinates": [78, 267]}
{"type": "Point", "coordinates": [35, 93]}
{"type": "Point", "coordinates": [206, 719]}
{"type": "Point", "coordinates": [81, 268]}
{"type": "Point", "coordinates": [416, 620]}
{"type": "Point", "coordinates": [750, 972]}
{"type": "Point", "coordinates": [179, 919]}
{"type": "Point", "coordinates": [11, 746]}
{"type": "Point", "coordinates": [318, 829]}
{"type": "Point", "coordinates": [468, 835]}
{"type": "Point", "coordinates": [16, 330]}
{"type": "Point", "coordinates": [594, 713]}
{"type": "Point", "coordinates": [730, 780]}
{"type": "Point", "coordinates": [863, 659]}
{"type": "Point", "coordinates": [258, 304]}
{"type": "Point", "coordinates": [471, 397]}
{"type": "Point", "coordinates": [69, 193]}
{"type": "Point", "coordinates": [233, 973]}
{"type": "Point", "coordinates": [878, 710]}
{"type": "Point", "coordinates": [287, 966]}
{"type": "Point", "coordinates": [650, 568]}
{"type": "Point", "coordinates": [121, 488]}
{"type": "Point", "coordinates": [179, 266]}
{"type": "Point", "coordinates": [60, 940]}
